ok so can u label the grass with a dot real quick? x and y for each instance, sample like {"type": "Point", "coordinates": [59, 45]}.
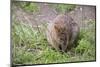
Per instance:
{"type": "Point", "coordinates": [28, 6]}
{"type": "Point", "coordinates": [63, 8]}
{"type": "Point", "coordinates": [31, 7]}
{"type": "Point", "coordinates": [31, 47]}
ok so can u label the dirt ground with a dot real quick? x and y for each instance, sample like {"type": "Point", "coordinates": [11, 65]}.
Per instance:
{"type": "Point", "coordinates": [47, 14]}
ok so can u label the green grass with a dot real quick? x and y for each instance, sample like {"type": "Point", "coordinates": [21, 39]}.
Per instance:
{"type": "Point", "coordinates": [62, 8]}
{"type": "Point", "coordinates": [32, 7]}
{"type": "Point", "coordinates": [30, 46]}
{"type": "Point", "coordinates": [28, 6]}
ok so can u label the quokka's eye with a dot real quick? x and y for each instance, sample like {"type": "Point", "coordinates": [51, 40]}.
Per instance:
{"type": "Point", "coordinates": [61, 38]}
{"type": "Point", "coordinates": [62, 33]}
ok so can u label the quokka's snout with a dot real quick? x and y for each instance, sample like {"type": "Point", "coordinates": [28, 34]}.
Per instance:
{"type": "Point", "coordinates": [62, 32]}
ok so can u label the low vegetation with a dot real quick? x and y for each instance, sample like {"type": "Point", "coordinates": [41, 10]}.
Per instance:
{"type": "Point", "coordinates": [28, 6]}
{"type": "Point", "coordinates": [63, 8]}
{"type": "Point", "coordinates": [30, 46]}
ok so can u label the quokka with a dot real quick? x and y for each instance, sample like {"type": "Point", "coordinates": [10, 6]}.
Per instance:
{"type": "Point", "coordinates": [62, 33]}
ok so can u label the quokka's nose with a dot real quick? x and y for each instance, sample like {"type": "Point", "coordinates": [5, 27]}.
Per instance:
{"type": "Point", "coordinates": [60, 47]}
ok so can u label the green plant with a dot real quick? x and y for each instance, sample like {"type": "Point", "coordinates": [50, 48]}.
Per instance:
{"type": "Point", "coordinates": [83, 46]}
{"type": "Point", "coordinates": [32, 7]}
{"type": "Point", "coordinates": [65, 7]}
{"type": "Point", "coordinates": [86, 47]}
{"type": "Point", "coordinates": [28, 6]}
{"type": "Point", "coordinates": [30, 46]}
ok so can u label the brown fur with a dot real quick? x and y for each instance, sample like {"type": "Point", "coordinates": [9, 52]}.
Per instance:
{"type": "Point", "coordinates": [62, 32]}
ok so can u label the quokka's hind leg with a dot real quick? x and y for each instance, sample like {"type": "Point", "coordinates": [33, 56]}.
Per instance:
{"type": "Point", "coordinates": [75, 34]}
